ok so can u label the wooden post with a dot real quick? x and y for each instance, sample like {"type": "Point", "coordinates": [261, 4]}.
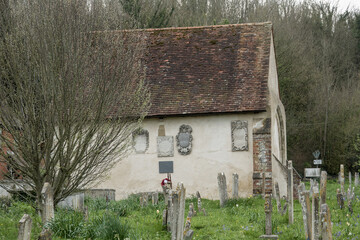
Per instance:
{"type": "Point", "coordinates": [222, 189]}
{"type": "Point", "coordinates": [48, 203]}
{"type": "Point", "coordinates": [25, 228]}
{"type": "Point", "coordinates": [306, 212]}
{"type": "Point", "coordinates": [290, 188]}
{"type": "Point", "coordinates": [235, 189]}
{"type": "Point", "coordinates": [277, 196]}
{"type": "Point", "coordinates": [315, 216]}
{"type": "Point", "coordinates": [342, 179]}
{"type": "Point", "coordinates": [323, 182]}
{"type": "Point", "coordinates": [326, 223]}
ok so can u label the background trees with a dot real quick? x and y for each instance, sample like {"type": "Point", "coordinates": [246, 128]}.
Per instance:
{"type": "Point", "coordinates": [70, 97]}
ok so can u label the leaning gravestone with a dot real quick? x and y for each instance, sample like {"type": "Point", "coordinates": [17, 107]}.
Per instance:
{"type": "Point", "coordinates": [48, 203]}
{"type": "Point", "coordinates": [290, 187]}
{"type": "Point", "coordinates": [306, 212]}
{"type": "Point", "coordinates": [222, 189]}
{"type": "Point", "coordinates": [25, 228]}
{"type": "Point", "coordinates": [350, 179]}
{"type": "Point", "coordinates": [342, 179]}
{"type": "Point", "coordinates": [356, 183]}
{"type": "Point", "coordinates": [326, 223]}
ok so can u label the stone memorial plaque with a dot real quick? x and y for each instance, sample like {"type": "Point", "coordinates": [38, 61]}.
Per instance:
{"type": "Point", "coordinates": [141, 140]}
{"type": "Point", "coordinates": [166, 167]}
{"type": "Point", "coordinates": [312, 172]}
{"type": "Point", "coordinates": [165, 146]}
{"type": "Point", "coordinates": [184, 140]}
{"type": "Point", "coordinates": [239, 135]}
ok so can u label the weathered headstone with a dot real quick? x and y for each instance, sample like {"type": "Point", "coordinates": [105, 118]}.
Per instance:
{"type": "Point", "coordinates": [301, 188]}
{"type": "Point", "coordinates": [342, 179]}
{"type": "Point", "coordinates": [268, 224]}
{"type": "Point", "coordinates": [74, 201]}
{"type": "Point", "coordinates": [277, 197]}
{"type": "Point", "coordinates": [356, 183]}
{"type": "Point", "coordinates": [323, 182]}
{"type": "Point", "coordinates": [180, 226]}
{"type": "Point", "coordinates": [350, 178]}
{"type": "Point", "coordinates": [188, 233]}
{"type": "Point", "coordinates": [340, 199]}
{"type": "Point", "coordinates": [284, 210]}
{"type": "Point", "coordinates": [235, 189]}
{"type": "Point", "coordinates": [326, 223]}
{"type": "Point", "coordinates": [311, 187]}
{"type": "Point", "coordinates": [86, 214]}
{"type": "Point", "coordinates": [25, 228]}
{"type": "Point", "coordinates": [199, 201]}
{"type": "Point", "coordinates": [315, 216]}
{"type": "Point", "coordinates": [155, 198]}
{"type": "Point", "coordinates": [48, 203]}
{"type": "Point", "coordinates": [306, 212]}
{"type": "Point", "coordinates": [290, 187]}
{"type": "Point", "coordinates": [222, 189]}
{"type": "Point", "coordinates": [350, 199]}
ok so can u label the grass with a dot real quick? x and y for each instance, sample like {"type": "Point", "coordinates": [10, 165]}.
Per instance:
{"type": "Point", "coordinates": [240, 219]}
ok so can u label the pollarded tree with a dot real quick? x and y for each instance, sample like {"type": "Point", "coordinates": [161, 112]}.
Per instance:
{"type": "Point", "coordinates": [73, 96]}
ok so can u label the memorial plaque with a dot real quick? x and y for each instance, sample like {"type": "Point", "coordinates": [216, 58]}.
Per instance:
{"type": "Point", "coordinates": [166, 167]}
{"type": "Point", "coordinates": [312, 172]}
{"type": "Point", "coordinates": [165, 146]}
{"type": "Point", "coordinates": [141, 140]}
{"type": "Point", "coordinates": [184, 140]}
{"type": "Point", "coordinates": [239, 135]}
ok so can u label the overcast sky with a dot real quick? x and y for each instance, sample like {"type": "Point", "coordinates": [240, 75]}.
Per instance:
{"type": "Point", "coordinates": [343, 4]}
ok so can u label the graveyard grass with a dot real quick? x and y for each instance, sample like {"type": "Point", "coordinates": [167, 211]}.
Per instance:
{"type": "Point", "coordinates": [239, 219]}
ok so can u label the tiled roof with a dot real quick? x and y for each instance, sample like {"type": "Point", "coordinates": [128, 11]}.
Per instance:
{"type": "Point", "coordinates": [212, 69]}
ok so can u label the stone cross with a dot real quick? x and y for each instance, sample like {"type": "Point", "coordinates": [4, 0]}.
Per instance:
{"type": "Point", "coordinates": [277, 196]}
{"type": "Point", "coordinates": [235, 189]}
{"type": "Point", "coordinates": [268, 224]}
{"type": "Point", "coordinates": [315, 216]}
{"type": "Point", "coordinates": [342, 179]}
{"type": "Point", "coordinates": [25, 228]}
{"type": "Point", "coordinates": [222, 189]}
{"type": "Point", "coordinates": [290, 187]}
{"type": "Point", "coordinates": [340, 199]}
{"type": "Point", "coordinates": [48, 203]}
{"type": "Point", "coordinates": [326, 223]}
{"type": "Point", "coordinates": [356, 183]}
{"type": "Point", "coordinates": [323, 182]}
{"type": "Point", "coordinates": [306, 212]}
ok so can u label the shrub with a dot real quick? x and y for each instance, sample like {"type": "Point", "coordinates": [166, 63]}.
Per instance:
{"type": "Point", "coordinates": [110, 227]}
{"type": "Point", "coordinates": [67, 224]}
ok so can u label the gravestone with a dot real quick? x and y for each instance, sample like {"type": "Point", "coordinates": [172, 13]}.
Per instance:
{"type": "Point", "coordinates": [277, 197]}
{"type": "Point", "coordinates": [350, 179]}
{"type": "Point", "coordinates": [342, 179]}
{"type": "Point", "coordinates": [222, 189]}
{"type": "Point", "coordinates": [290, 187]}
{"type": "Point", "coordinates": [312, 172]}
{"type": "Point", "coordinates": [25, 227]}
{"type": "Point", "coordinates": [74, 201]}
{"type": "Point", "coordinates": [45, 234]}
{"type": "Point", "coordinates": [340, 198]}
{"type": "Point", "coordinates": [268, 224]}
{"type": "Point", "coordinates": [315, 216]}
{"type": "Point", "coordinates": [155, 198]}
{"type": "Point", "coordinates": [184, 140]}
{"type": "Point", "coordinates": [350, 199]}
{"type": "Point", "coordinates": [165, 146]}
{"type": "Point", "coordinates": [235, 189]}
{"type": "Point", "coordinates": [188, 233]}
{"type": "Point", "coordinates": [306, 213]}
{"type": "Point", "coordinates": [239, 135]}
{"type": "Point", "coordinates": [48, 203]}
{"type": "Point", "coordinates": [177, 213]}
{"type": "Point", "coordinates": [323, 182]}
{"type": "Point", "coordinates": [356, 183]}
{"type": "Point", "coordinates": [326, 229]}
{"type": "Point", "coordinates": [301, 188]}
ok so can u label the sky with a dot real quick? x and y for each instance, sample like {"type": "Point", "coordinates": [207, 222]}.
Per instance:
{"type": "Point", "coordinates": [343, 4]}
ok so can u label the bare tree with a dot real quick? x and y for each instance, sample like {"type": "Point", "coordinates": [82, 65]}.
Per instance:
{"type": "Point", "coordinates": [70, 97]}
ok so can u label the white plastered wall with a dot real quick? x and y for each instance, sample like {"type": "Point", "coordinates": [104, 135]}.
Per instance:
{"type": "Point", "coordinates": [211, 153]}
{"type": "Point", "coordinates": [279, 154]}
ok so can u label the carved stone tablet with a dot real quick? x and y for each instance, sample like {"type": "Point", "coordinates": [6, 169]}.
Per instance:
{"type": "Point", "coordinates": [184, 140]}
{"type": "Point", "coordinates": [165, 146]}
{"type": "Point", "coordinates": [141, 140]}
{"type": "Point", "coordinates": [239, 135]}
{"type": "Point", "coordinates": [166, 167]}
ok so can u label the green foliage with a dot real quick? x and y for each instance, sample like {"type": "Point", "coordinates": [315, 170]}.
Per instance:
{"type": "Point", "coordinates": [67, 224]}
